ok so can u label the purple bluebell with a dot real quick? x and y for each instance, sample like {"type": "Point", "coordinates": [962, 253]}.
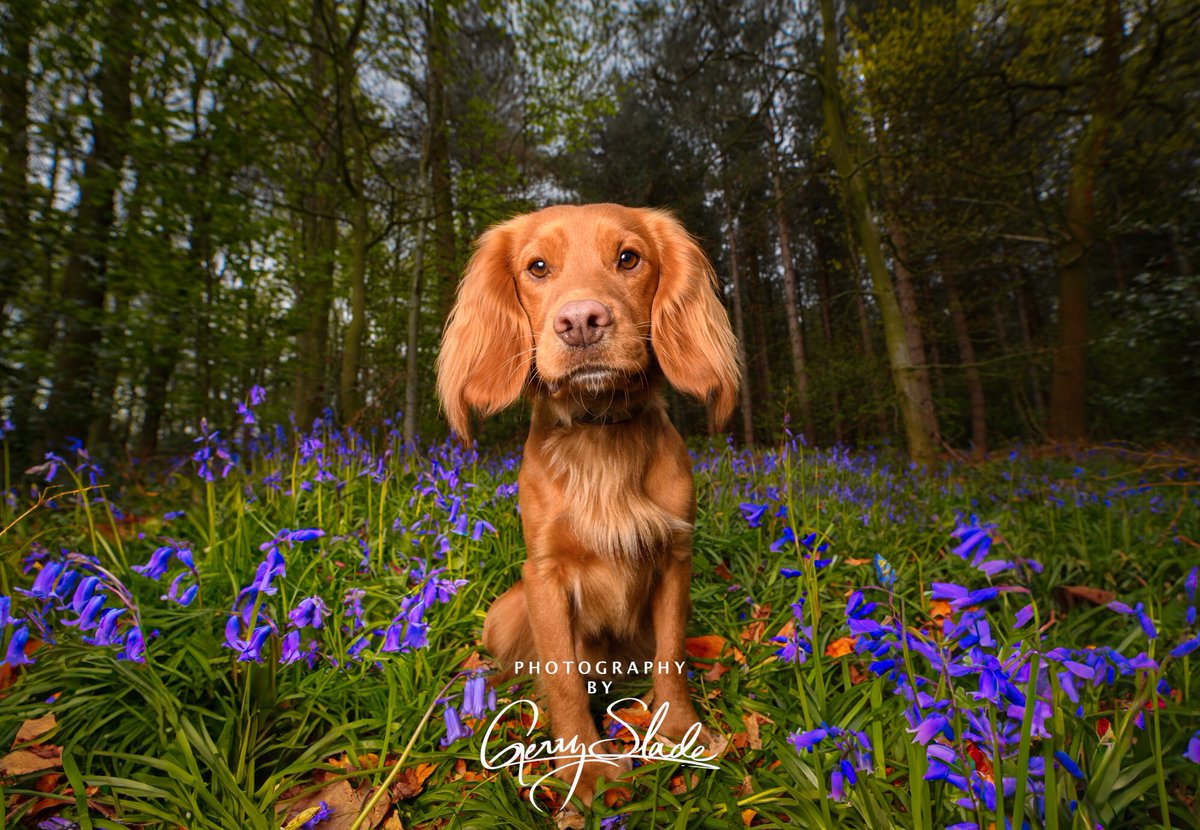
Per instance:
{"type": "Point", "coordinates": [106, 631]}
{"type": "Point", "coordinates": [1193, 749]}
{"type": "Point", "coordinates": [753, 513]}
{"type": "Point", "coordinates": [309, 612]}
{"type": "Point", "coordinates": [805, 741]}
{"type": "Point", "coordinates": [1066, 762]}
{"type": "Point", "coordinates": [135, 646]}
{"type": "Point", "coordinates": [15, 655]}
{"type": "Point", "coordinates": [455, 729]}
{"type": "Point", "coordinates": [474, 696]}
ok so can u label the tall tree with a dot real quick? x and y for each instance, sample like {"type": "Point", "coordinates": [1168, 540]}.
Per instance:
{"type": "Point", "coordinates": [862, 221]}
{"type": "Point", "coordinates": [71, 408]}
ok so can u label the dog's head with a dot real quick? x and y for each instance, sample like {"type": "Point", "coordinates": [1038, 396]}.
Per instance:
{"type": "Point", "coordinates": [581, 302]}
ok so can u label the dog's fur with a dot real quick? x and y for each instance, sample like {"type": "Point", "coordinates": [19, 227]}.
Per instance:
{"type": "Point", "coordinates": [606, 493]}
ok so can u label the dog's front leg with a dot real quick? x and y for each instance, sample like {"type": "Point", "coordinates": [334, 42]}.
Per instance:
{"type": "Point", "coordinates": [671, 607]}
{"type": "Point", "coordinates": [565, 694]}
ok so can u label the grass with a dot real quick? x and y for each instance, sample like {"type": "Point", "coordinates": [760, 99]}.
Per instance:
{"type": "Point", "coordinates": [189, 735]}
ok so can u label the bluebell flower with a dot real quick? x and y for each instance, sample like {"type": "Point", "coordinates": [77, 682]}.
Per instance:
{"type": "Point", "coordinates": [106, 631]}
{"type": "Point", "coordinates": [753, 513]}
{"type": "Point", "coordinates": [455, 728]}
{"type": "Point", "coordinates": [257, 395]}
{"type": "Point", "coordinates": [86, 616]}
{"type": "Point", "coordinates": [1024, 616]}
{"type": "Point", "coordinates": [475, 699]}
{"type": "Point", "coordinates": [1186, 647]}
{"type": "Point", "coordinates": [15, 656]}
{"type": "Point", "coordinates": [1193, 749]}
{"type": "Point", "coordinates": [290, 648]}
{"type": "Point", "coordinates": [5, 605]}
{"type": "Point", "coordinates": [310, 611]}
{"type": "Point", "coordinates": [135, 646]}
{"type": "Point", "coordinates": [1068, 764]}
{"type": "Point", "coordinates": [930, 727]}
{"type": "Point", "coordinates": [805, 741]}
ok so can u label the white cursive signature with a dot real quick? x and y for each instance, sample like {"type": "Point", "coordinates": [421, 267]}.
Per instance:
{"type": "Point", "coordinates": [574, 753]}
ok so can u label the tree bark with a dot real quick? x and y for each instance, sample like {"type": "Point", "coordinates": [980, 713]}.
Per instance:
{"type": "Point", "coordinates": [1068, 418]}
{"type": "Point", "coordinates": [72, 401]}
{"type": "Point", "coordinates": [18, 22]}
{"type": "Point", "coordinates": [739, 320]}
{"type": "Point", "coordinates": [351, 133]}
{"type": "Point", "coordinates": [966, 353]}
{"type": "Point", "coordinates": [445, 255]}
{"type": "Point", "coordinates": [412, 401]}
{"type": "Point", "coordinates": [790, 293]}
{"type": "Point", "coordinates": [318, 229]}
{"type": "Point", "coordinates": [862, 219]}
{"type": "Point", "coordinates": [910, 312]}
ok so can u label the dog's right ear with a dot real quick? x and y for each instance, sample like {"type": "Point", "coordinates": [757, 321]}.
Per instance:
{"type": "Point", "coordinates": [487, 347]}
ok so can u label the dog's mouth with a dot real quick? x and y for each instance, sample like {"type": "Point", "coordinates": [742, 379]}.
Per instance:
{"type": "Point", "coordinates": [591, 379]}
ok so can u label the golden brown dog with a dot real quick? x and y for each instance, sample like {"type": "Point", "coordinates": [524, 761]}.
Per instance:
{"type": "Point", "coordinates": [584, 309]}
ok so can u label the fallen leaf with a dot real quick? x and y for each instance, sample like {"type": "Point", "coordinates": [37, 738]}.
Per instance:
{"type": "Point", "coordinates": [748, 816]}
{"type": "Point", "coordinates": [752, 721]}
{"type": "Point", "coordinates": [411, 781]}
{"type": "Point", "coordinates": [705, 648]}
{"type": "Point", "coordinates": [1068, 596]}
{"type": "Point", "coordinates": [853, 561]}
{"type": "Point", "coordinates": [31, 729]}
{"type": "Point", "coordinates": [34, 759]}
{"type": "Point", "coordinates": [724, 572]}
{"type": "Point", "coordinates": [840, 647]}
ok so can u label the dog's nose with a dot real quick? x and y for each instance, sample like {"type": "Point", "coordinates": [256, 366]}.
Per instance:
{"type": "Point", "coordinates": [583, 322]}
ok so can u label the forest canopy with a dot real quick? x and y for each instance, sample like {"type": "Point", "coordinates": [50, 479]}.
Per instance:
{"type": "Point", "coordinates": [956, 224]}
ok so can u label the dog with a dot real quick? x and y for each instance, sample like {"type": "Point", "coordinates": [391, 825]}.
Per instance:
{"type": "Point", "coordinates": [584, 311]}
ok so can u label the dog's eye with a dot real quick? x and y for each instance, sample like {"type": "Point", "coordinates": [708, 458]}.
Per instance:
{"type": "Point", "coordinates": [628, 260]}
{"type": "Point", "coordinates": [538, 269]}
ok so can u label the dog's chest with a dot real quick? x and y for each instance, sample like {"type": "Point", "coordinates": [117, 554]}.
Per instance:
{"type": "Point", "coordinates": [604, 498]}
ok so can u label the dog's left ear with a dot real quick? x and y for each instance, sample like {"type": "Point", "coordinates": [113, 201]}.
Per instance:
{"type": "Point", "coordinates": [487, 348]}
{"type": "Point", "coordinates": [689, 327]}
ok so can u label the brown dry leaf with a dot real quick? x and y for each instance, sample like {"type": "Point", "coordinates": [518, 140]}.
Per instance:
{"type": "Point", "coordinates": [724, 572]}
{"type": "Point", "coordinates": [857, 675]}
{"type": "Point", "coordinates": [31, 729]}
{"type": "Point", "coordinates": [705, 648]}
{"type": "Point", "coordinates": [474, 661]}
{"type": "Point", "coordinates": [853, 561]}
{"type": "Point", "coordinates": [569, 819]}
{"type": "Point", "coordinates": [411, 781]}
{"type": "Point", "coordinates": [746, 788]}
{"type": "Point", "coordinates": [748, 816]}
{"type": "Point", "coordinates": [753, 633]}
{"type": "Point", "coordinates": [841, 647]}
{"type": "Point", "coordinates": [1068, 596]}
{"type": "Point", "coordinates": [392, 823]}
{"type": "Point", "coordinates": [344, 802]}
{"type": "Point", "coordinates": [34, 759]}
{"type": "Point", "coordinates": [753, 720]}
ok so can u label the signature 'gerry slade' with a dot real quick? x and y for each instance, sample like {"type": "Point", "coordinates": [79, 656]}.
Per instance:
{"type": "Point", "coordinates": [574, 754]}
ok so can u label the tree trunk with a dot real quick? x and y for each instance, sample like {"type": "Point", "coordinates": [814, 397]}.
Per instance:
{"type": "Point", "coordinates": [353, 140]}
{"type": "Point", "coordinates": [739, 321]}
{"type": "Point", "coordinates": [790, 293]}
{"type": "Point", "coordinates": [72, 401]}
{"type": "Point", "coordinates": [18, 21]}
{"type": "Point", "coordinates": [1068, 421]}
{"type": "Point", "coordinates": [862, 218]}
{"type": "Point", "coordinates": [318, 229]}
{"type": "Point", "coordinates": [910, 313]}
{"type": "Point", "coordinates": [412, 401]}
{"type": "Point", "coordinates": [966, 353]}
{"type": "Point", "coordinates": [1027, 341]}
{"type": "Point", "coordinates": [445, 255]}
